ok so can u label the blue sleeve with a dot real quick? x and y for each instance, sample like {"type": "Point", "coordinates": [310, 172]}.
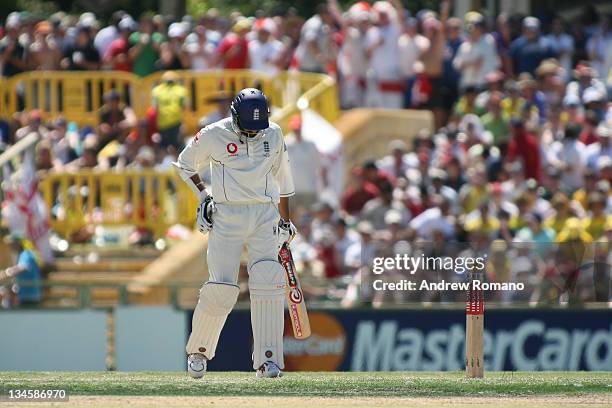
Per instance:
{"type": "Point", "coordinates": [513, 48]}
{"type": "Point", "coordinates": [27, 259]}
{"type": "Point", "coordinates": [23, 259]}
{"type": "Point", "coordinates": [553, 52]}
{"type": "Point", "coordinates": [513, 53]}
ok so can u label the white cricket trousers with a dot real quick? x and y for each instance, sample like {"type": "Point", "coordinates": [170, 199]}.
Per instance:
{"type": "Point", "coordinates": [234, 227]}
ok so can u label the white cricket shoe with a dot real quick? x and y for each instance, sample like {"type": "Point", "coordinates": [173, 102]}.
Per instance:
{"type": "Point", "coordinates": [268, 369]}
{"type": "Point", "coordinates": [196, 365]}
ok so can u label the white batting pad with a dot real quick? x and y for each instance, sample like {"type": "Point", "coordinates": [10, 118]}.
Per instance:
{"type": "Point", "coordinates": [267, 287]}
{"type": "Point", "coordinates": [216, 301]}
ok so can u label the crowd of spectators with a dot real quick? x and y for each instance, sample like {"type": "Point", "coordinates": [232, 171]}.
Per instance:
{"type": "Point", "coordinates": [380, 53]}
{"type": "Point", "coordinates": [521, 150]}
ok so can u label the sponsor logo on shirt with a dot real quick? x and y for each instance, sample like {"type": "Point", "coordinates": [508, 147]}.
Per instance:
{"type": "Point", "coordinates": [232, 149]}
{"type": "Point", "coordinates": [266, 146]}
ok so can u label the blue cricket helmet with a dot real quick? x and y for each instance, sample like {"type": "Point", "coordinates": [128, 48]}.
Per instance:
{"type": "Point", "coordinates": [250, 110]}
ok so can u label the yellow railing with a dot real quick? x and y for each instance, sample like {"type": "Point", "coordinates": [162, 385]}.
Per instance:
{"type": "Point", "coordinates": [78, 96]}
{"type": "Point", "coordinates": [306, 90]}
{"type": "Point", "coordinates": [6, 89]}
{"type": "Point", "coordinates": [147, 199]}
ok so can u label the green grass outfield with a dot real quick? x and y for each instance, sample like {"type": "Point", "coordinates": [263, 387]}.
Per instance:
{"type": "Point", "coordinates": [335, 384]}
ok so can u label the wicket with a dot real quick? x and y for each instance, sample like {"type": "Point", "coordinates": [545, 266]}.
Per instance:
{"type": "Point", "coordinates": [474, 329]}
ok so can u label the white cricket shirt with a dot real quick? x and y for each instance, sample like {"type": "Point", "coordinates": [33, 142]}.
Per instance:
{"type": "Point", "coordinates": [243, 170]}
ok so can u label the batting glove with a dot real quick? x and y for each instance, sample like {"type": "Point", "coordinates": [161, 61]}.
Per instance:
{"type": "Point", "coordinates": [286, 232]}
{"type": "Point", "coordinates": [204, 215]}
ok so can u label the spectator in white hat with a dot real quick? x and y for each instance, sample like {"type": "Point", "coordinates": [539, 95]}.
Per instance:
{"type": "Point", "coordinates": [352, 58]}
{"type": "Point", "coordinates": [265, 50]}
{"type": "Point", "coordinates": [386, 86]}
{"type": "Point", "coordinates": [569, 156]}
{"type": "Point", "coordinates": [477, 56]}
{"type": "Point", "coordinates": [117, 57]}
{"type": "Point", "coordinates": [12, 53]}
{"type": "Point", "coordinates": [108, 34]}
{"type": "Point", "coordinates": [601, 148]}
{"type": "Point", "coordinates": [305, 164]}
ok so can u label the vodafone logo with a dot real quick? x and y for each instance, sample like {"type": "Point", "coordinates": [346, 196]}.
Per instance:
{"type": "Point", "coordinates": [231, 148]}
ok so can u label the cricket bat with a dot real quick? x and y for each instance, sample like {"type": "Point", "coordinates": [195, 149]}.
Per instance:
{"type": "Point", "coordinates": [474, 330]}
{"type": "Point", "coordinates": [295, 296]}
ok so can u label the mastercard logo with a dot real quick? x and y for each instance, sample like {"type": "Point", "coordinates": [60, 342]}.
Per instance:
{"type": "Point", "coordinates": [324, 350]}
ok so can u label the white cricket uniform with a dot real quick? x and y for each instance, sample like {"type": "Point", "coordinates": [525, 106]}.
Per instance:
{"type": "Point", "coordinates": [248, 177]}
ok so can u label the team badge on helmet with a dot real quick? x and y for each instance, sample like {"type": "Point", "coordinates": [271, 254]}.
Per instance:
{"type": "Point", "coordinates": [250, 111]}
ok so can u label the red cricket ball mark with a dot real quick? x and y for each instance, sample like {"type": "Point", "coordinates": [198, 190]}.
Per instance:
{"type": "Point", "coordinates": [232, 148]}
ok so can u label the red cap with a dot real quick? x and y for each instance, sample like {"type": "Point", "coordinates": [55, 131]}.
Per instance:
{"type": "Point", "coordinates": [496, 187]}
{"type": "Point", "coordinates": [295, 122]}
{"type": "Point", "coordinates": [35, 114]}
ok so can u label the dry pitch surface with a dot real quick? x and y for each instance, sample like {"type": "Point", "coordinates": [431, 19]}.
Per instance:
{"type": "Point", "coordinates": [318, 390]}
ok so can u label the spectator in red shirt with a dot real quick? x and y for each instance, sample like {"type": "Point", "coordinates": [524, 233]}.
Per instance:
{"type": "Point", "coordinates": [359, 193]}
{"type": "Point", "coordinates": [524, 147]}
{"type": "Point", "coordinates": [374, 175]}
{"type": "Point", "coordinates": [233, 51]}
{"type": "Point", "coordinates": [329, 256]}
{"type": "Point", "coordinates": [117, 53]}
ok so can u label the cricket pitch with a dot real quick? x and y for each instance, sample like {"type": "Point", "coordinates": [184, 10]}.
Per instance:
{"type": "Point", "coordinates": [320, 390]}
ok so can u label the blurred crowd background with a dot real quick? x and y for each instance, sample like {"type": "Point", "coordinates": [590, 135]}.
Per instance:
{"type": "Point", "coordinates": [520, 155]}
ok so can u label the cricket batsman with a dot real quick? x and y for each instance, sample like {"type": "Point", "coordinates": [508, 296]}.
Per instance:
{"type": "Point", "coordinates": [248, 204]}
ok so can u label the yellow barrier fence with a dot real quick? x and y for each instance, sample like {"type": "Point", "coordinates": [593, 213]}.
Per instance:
{"type": "Point", "coordinates": [77, 96]}
{"type": "Point", "coordinates": [306, 90]}
{"type": "Point", "coordinates": [5, 94]}
{"type": "Point", "coordinates": [147, 199]}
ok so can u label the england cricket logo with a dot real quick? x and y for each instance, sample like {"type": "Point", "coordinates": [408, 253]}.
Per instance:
{"type": "Point", "coordinates": [256, 114]}
{"type": "Point", "coordinates": [266, 147]}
